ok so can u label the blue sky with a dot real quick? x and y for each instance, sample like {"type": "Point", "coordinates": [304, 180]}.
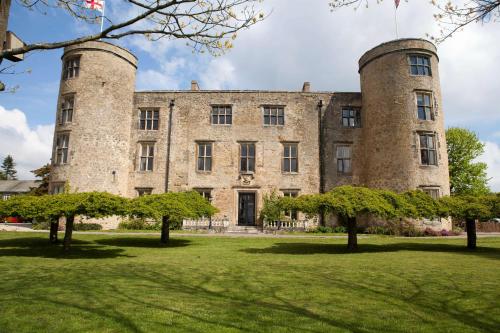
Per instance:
{"type": "Point", "coordinates": [299, 41]}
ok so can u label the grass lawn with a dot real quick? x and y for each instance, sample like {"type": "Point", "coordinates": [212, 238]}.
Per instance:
{"type": "Point", "coordinates": [119, 283]}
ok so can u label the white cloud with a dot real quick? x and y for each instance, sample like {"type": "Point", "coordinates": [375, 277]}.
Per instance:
{"type": "Point", "coordinates": [491, 157]}
{"type": "Point", "coordinates": [30, 147]}
{"type": "Point", "coordinates": [219, 74]}
{"type": "Point", "coordinates": [166, 78]}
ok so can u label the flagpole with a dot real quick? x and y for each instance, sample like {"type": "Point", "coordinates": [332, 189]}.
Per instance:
{"type": "Point", "coordinates": [395, 20]}
{"type": "Point", "coordinates": [102, 15]}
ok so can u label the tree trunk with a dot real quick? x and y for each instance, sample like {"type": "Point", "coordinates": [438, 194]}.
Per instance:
{"type": "Point", "coordinates": [54, 227]}
{"type": "Point", "coordinates": [165, 230]}
{"type": "Point", "coordinates": [68, 233]}
{"type": "Point", "coordinates": [470, 225]}
{"type": "Point", "coordinates": [352, 238]}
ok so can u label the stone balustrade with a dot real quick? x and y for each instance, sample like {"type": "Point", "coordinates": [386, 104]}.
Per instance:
{"type": "Point", "coordinates": [206, 223]}
{"type": "Point", "coordinates": [291, 225]}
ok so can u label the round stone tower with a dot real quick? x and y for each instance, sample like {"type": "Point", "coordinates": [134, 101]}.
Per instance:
{"type": "Point", "coordinates": [403, 127]}
{"type": "Point", "coordinates": [94, 118]}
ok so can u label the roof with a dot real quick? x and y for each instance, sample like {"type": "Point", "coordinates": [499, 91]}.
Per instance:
{"type": "Point", "coordinates": [17, 186]}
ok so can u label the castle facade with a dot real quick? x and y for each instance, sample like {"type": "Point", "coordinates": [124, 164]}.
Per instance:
{"type": "Point", "coordinates": [234, 146]}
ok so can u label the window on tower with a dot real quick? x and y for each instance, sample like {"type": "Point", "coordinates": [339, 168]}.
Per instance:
{"type": "Point", "coordinates": [424, 106]}
{"type": "Point", "coordinates": [428, 152]}
{"type": "Point", "coordinates": [247, 157]}
{"type": "Point", "coordinates": [290, 158]}
{"type": "Point", "coordinates": [420, 65]}
{"type": "Point", "coordinates": [274, 115]}
{"type": "Point", "coordinates": [204, 157]}
{"type": "Point", "coordinates": [71, 67]}
{"type": "Point", "coordinates": [66, 115]}
{"type": "Point", "coordinates": [62, 146]}
{"type": "Point", "coordinates": [344, 159]}
{"type": "Point", "coordinates": [222, 115]}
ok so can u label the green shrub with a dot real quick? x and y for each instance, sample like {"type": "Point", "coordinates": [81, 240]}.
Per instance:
{"type": "Point", "coordinates": [378, 230]}
{"type": "Point", "coordinates": [86, 226]}
{"type": "Point", "coordinates": [329, 230]}
{"type": "Point", "coordinates": [139, 224]}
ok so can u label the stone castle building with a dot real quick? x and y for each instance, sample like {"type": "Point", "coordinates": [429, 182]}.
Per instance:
{"type": "Point", "coordinates": [234, 146]}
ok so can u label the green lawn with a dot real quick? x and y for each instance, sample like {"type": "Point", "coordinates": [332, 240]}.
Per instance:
{"type": "Point", "coordinates": [118, 283]}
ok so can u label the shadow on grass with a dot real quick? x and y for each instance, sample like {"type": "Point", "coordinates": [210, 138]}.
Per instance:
{"type": "Point", "coordinates": [40, 247]}
{"type": "Point", "coordinates": [314, 248]}
{"type": "Point", "coordinates": [149, 242]}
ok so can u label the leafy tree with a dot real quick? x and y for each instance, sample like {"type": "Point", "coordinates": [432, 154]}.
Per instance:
{"type": "Point", "coordinates": [452, 16]}
{"type": "Point", "coordinates": [205, 25]}
{"type": "Point", "coordinates": [9, 168]}
{"type": "Point", "coordinates": [170, 207]}
{"type": "Point", "coordinates": [43, 173]}
{"type": "Point", "coordinates": [90, 205]}
{"type": "Point", "coordinates": [466, 176]}
{"type": "Point", "coordinates": [470, 208]}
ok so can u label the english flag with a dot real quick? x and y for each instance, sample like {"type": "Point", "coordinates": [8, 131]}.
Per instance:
{"type": "Point", "coordinates": [396, 2]}
{"type": "Point", "coordinates": [95, 4]}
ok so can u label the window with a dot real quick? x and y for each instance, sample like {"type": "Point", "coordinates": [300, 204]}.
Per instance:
{"type": "Point", "coordinates": [344, 159]}
{"type": "Point", "coordinates": [204, 156]}
{"type": "Point", "coordinates": [428, 154]}
{"type": "Point", "coordinates": [148, 119]}
{"type": "Point", "coordinates": [420, 65]}
{"type": "Point", "coordinates": [290, 159]}
{"type": "Point", "coordinates": [424, 106]}
{"type": "Point", "coordinates": [71, 68]}
{"type": "Point", "coordinates": [351, 117]}
{"type": "Point", "coordinates": [62, 144]}
{"type": "Point", "coordinates": [247, 157]}
{"type": "Point", "coordinates": [57, 188]}
{"type": "Point", "coordinates": [147, 156]}
{"type": "Point", "coordinates": [205, 193]}
{"type": "Point", "coordinates": [274, 115]}
{"type": "Point", "coordinates": [67, 110]}
{"type": "Point", "coordinates": [292, 214]}
{"type": "Point", "coordinates": [433, 192]}
{"type": "Point", "coordinates": [143, 191]}
{"type": "Point", "coordinates": [222, 115]}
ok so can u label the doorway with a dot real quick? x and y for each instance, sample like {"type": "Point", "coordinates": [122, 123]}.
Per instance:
{"type": "Point", "coordinates": [246, 208]}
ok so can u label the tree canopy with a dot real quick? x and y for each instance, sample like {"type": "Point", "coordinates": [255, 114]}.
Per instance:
{"type": "Point", "coordinates": [466, 175]}
{"type": "Point", "coordinates": [451, 15]}
{"type": "Point", "coordinates": [206, 25]}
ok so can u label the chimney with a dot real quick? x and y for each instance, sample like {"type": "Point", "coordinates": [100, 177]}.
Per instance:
{"type": "Point", "coordinates": [194, 85]}
{"type": "Point", "coordinates": [306, 87]}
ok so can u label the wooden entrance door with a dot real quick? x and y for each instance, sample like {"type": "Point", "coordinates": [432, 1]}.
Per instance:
{"type": "Point", "coordinates": [246, 209]}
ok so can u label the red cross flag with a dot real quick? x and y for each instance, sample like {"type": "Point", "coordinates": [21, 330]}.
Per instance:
{"type": "Point", "coordinates": [95, 4]}
{"type": "Point", "coordinates": [396, 2]}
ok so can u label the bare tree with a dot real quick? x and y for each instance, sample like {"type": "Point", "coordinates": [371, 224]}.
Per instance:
{"type": "Point", "coordinates": [451, 15]}
{"type": "Point", "coordinates": [206, 25]}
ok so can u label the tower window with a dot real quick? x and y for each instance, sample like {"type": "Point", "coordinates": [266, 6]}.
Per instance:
{"type": "Point", "coordinates": [274, 115]}
{"type": "Point", "coordinates": [148, 119]}
{"type": "Point", "coordinates": [222, 115]}
{"type": "Point", "coordinates": [62, 145]}
{"type": "Point", "coordinates": [247, 157]}
{"type": "Point", "coordinates": [147, 156]}
{"type": "Point", "coordinates": [433, 192]}
{"type": "Point", "coordinates": [204, 156]}
{"type": "Point", "coordinates": [428, 153]}
{"type": "Point", "coordinates": [351, 117]}
{"type": "Point", "coordinates": [67, 110]}
{"type": "Point", "coordinates": [424, 106]}
{"type": "Point", "coordinates": [290, 159]}
{"type": "Point", "coordinates": [420, 65]}
{"type": "Point", "coordinates": [71, 68]}
{"type": "Point", "coordinates": [344, 159]}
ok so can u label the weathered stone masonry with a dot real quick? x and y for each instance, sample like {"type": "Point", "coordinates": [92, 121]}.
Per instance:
{"type": "Point", "coordinates": [381, 146]}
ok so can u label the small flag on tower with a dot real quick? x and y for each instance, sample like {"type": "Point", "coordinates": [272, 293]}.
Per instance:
{"type": "Point", "coordinates": [396, 2]}
{"type": "Point", "coordinates": [95, 4]}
